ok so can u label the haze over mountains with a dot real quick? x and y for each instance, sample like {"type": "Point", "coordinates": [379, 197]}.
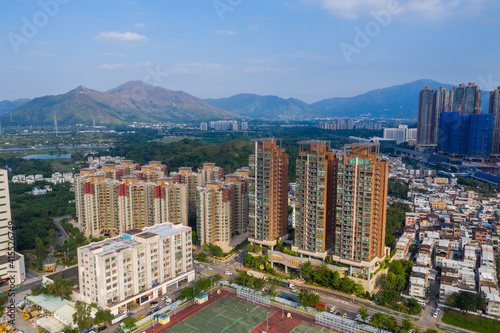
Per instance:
{"type": "Point", "coordinates": [138, 101]}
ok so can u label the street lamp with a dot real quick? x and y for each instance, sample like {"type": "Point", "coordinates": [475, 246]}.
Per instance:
{"type": "Point", "coordinates": [267, 321]}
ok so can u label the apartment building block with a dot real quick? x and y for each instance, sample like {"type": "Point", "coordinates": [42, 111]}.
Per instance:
{"type": "Point", "coordinates": [214, 214]}
{"type": "Point", "coordinates": [315, 198]}
{"type": "Point", "coordinates": [12, 267]}
{"type": "Point", "coordinates": [239, 202]}
{"type": "Point", "coordinates": [137, 266]}
{"type": "Point", "coordinates": [268, 192]}
{"type": "Point", "coordinates": [131, 198]}
{"type": "Point", "coordinates": [362, 181]}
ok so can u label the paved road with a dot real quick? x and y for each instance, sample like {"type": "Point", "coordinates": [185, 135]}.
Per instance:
{"type": "Point", "coordinates": [64, 236]}
{"type": "Point", "coordinates": [427, 320]}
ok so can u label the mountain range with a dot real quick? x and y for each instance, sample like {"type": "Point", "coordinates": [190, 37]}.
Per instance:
{"type": "Point", "coordinates": [140, 102]}
{"type": "Point", "coordinates": [134, 101]}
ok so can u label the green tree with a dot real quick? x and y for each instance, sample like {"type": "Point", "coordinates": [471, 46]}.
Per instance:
{"type": "Point", "coordinates": [202, 256]}
{"type": "Point", "coordinates": [306, 270]}
{"type": "Point", "coordinates": [129, 323]}
{"type": "Point", "coordinates": [363, 311]}
{"type": "Point", "coordinates": [391, 323]}
{"type": "Point", "coordinates": [42, 330]}
{"type": "Point", "coordinates": [431, 330]}
{"type": "Point", "coordinates": [308, 298]}
{"type": "Point", "coordinates": [247, 259]}
{"type": "Point", "coordinates": [40, 252]}
{"type": "Point", "coordinates": [466, 301]}
{"type": "Point", "coordinates": [68, 329]}
{"type": "Point", "coordinates": [82, 316]}
{"type": "Point", "coordinates": [273, 287]}
{"type": "Point", "coordinates": [103, 316]}
{"type": "Point", "coordinates": [377, 320]}
{"type": "Point", "coordinates": [3, 299]}
{"type": "Point", "coordinates": [407, 325]}
{"type": "Point", "coordinates": [52, 238]}
{"type": "Point", "coordinates": [336, 280]}
{"type": "Point", "coordinates": [347, 285]}
{"type": "Point", "coordinates": [217, 251]}
{"type": "Point", "coordinates": [415, 307]}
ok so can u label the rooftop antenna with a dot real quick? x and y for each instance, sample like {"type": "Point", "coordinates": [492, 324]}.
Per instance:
{"type": "Point", "coordinates": [56, 129]}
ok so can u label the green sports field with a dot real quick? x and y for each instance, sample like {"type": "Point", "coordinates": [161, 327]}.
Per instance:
{"type": "Point", "coordinates": [230, 315]}
{"type": "Point", "coordinates": [305, 327]}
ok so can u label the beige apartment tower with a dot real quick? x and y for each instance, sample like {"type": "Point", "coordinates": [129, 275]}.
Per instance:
{"type": "Point", "coordinates": [268, 192]}
{"type": "Point", "coordinates": [214, 214]}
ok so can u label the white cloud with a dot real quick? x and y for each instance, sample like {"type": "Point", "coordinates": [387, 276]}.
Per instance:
{"type": "Point", "coordinates": [308, 56]}
{"type": "Point", "coordinates": [120, 37]}
{"type": "Point", "coordinates": [109, 54]}
{"type": "Point", "coordinates": [112, 66]}
{"type": "Point", "coordinates": [40, 54]}
{"type": "Point", "coordinates": [226, 33]}
{"type": "Point", "coordinates": [22, 68]}
{"type": "Point", "coordinates": [430, 9]}
{"type": "Point", "coordinates": [261, 60]}
{"type": "Point", "coordinates": [145, 64]}
{"type": "Point", "coordinates": [196, 68]}
{"type": "Point", "coordinates": [253, 27]}
{"type": "Point", "coordinates": [262, 70]}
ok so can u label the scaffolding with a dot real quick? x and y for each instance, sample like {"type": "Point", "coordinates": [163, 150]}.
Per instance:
{"type": "Point", "coordinates": [254, 297]}
{"type": "Point", "coordinates": [337, 323]}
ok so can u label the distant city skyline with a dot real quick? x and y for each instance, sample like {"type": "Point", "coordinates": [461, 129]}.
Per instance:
{"type": "Point", "coordinates": [306, 49]}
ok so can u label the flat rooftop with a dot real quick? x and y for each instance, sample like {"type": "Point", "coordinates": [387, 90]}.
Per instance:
{"type": "Point", "coordinates": [4, 259]}
{"type": "Point", "coordinates": [70, 274]}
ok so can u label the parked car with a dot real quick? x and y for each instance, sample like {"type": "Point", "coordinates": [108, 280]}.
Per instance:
{"type": "Point", "coordinates": [130, 314]}
{"type": "Point", "coordinates": [228, 273]}
{"type": "Point", "coordinates": [435, 314]}
{"type": "Point", "coordinates": [102, 328]}
{"type": "Point", "coordinates": [196, 261]}
{"type": "Point", "coordinates": [154, 304]}
{"type": "Point", "coordinates": [202, 266]}
{"type": "Point", "coordinates": [210, 268]}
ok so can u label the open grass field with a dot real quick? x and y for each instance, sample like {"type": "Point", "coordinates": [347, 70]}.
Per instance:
{"type": "Point", "coordinates": [470, 322]}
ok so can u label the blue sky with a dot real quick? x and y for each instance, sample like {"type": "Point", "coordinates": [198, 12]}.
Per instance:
{"type": "Point", "coordinates": [308, 49]}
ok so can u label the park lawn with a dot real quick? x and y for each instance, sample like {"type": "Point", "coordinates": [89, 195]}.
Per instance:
{"type": "Point", "coordinates": [471, 322]}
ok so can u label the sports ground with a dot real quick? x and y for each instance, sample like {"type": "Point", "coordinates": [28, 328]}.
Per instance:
{"type": "Point", "coordinates": [230, 314]}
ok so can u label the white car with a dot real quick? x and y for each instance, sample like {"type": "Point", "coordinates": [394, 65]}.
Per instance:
{"type": "Point", "coordinates": [210, 268]}
{"type": "Point", "coordinates": [228, 273]}
{"type": "Point", "coordinates": [196, 261]}
{"type": "Point", "coordinates": [202, 266]}
{"type": "Point", "coordinates": [435, 314]}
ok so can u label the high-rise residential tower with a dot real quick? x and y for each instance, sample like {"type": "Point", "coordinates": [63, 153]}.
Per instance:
{"type": "Point", "coordinates": [495, 111]}
{"type": "Point", "coordinates": [214, 214]}
{"type": "Point", "coordinates": [315, 198]}
{"type": "Point", "coordinates": [441, 103]}
{"type": "Point", "coordinates": [361, 206]}
{"type": "Point", "coordinates": [239, 201]}
{"type": "Point", "coordinates": [466, 100]}
{"type": "Point", "coordinates": [426, 117]}
{"type": "Point", "coordinates": [132, 197]}
{"type": "Point", "coordinates": [268, 192]}
{"type": "Point", "coordinates": [12, 268]}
